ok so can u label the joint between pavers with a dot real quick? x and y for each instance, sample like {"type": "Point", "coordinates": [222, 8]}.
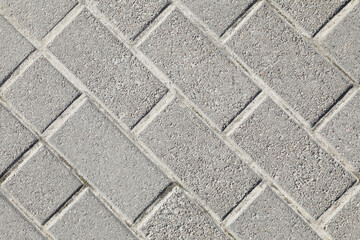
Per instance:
{"type": "Point", "coordinates": [327, 216]}
{"type": "Point", "coordinates": [338, 15]}
{"type": "Point", "coordinates": [153, 24]}
{"type": "Point", "coordinates": [26, 214]}
{"type": "Point", "coordinates": [241, 20]}
{"type": "Point", "coordinates": [245, 203]}
{"type": "Point", "coordinates": [336, 109]}
{"type": "Point", "coordinates": [62, 24]}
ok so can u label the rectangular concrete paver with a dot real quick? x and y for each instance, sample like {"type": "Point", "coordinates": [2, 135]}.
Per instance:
{"type": "Point", "coordinates": [288, 64]}
{"type": "Point", "coordinates": [199, 158]}
{"type": "Point", "coordinates": [15, 139]}
{"type": "Point", "coordinates": [42, 192]}
{"type": "Point", "coordinates": [197, 67]}
{"type": "Point", "coordinates": [348, 53]}
{"type": "Point", "coordinates": [179, 119]}
{"type": "Point", "coordinates": [219, 15]}
{"type": "Point", "coordinates": [14, 225]}
{"type": "Point", "coordinates": [345, 224]}
{"type": "Point", "coordinates": [107, 159]}
{"type": "Point", "coordinates": [269, 217]}
{"type": "Point", "coordinates": [180, 218]}
{"type": "Point", "coordinates": [131, 17]}
{"type": "Point", "coordinates": [38, 16]}
{"type": "Point", "coordinates": [108, 68]}
{"type": "Point", "coordinates": [311, 15]}
{"type": "Point", "coordinates": [88, 218]}
{"type": "Point", "coordinates": [343, 131]}
{"type": "Point", "coordinates": [309, 174]}
{"type": "Point", "coordinates": [41, 94]}
{"type": "Point", "coordinates": [14, 48]}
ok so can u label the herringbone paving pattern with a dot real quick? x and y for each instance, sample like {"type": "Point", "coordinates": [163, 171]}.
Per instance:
{"type": "Point", "coordinates": [160, 119]}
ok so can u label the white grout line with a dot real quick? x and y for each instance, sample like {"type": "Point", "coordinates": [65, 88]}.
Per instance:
{"type": "Point", "coordinates": [62, 24]}
{"type": "Point", "coordinates": [299, 211]}
{"type": "Point", "coordinates": [163, 78]}
{"type": "Point", "coordinates": [26, 214]}
{"type": "Point", "coordinates": [316, 45]}
{"type": "Point", "coordinates": [151, 211]}
{"type": "Point", "coordinates": [117, 213]}
{"type": "Point", "coordinates": [21, 162]}
{"type": "Point", "coordinates": [335, 21]}
{"type": "Point", "coordinates": [245, 114]}
{"type": "Point", "coordinates": [66, 207]}
{"type": "Point", "coordinates": [244, 204]}
{"type": "Point", "coordinates": [154, 112]}
{"type": "Point", "coordinates": [289, 19]}
{"type": "Point", "coordinates": [336, 109]}
{"type": "Point", "coordinates": [154, 25]}
{"type": "Point", "coordinates": [338, 205]}
{"type": "Point", "coordinates": [241, 21]}
{"type": "Point", "coordinates": [70, 111]}
{"type": "Point", "coordinates": [33, 57]}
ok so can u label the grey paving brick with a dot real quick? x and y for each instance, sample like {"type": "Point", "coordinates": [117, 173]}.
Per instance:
{"type": "Point", "coordinates": [343, 131]}
{"type": "Point", "coordinates": [41, 94]}
{"type": "Point", "coordinates": [343, 43]}
{"type": "Point", "coordinates": [14, 225]}
{"type": "Point", "coordinates": [268, 217]}
{"type": "Point", "coordinates": [131, 17]}
{"type": "Point", "coordinates": [285, 151]}
{"type": "Point", "coordinates": [345, 225]}
{"type": "Point", "coordinates": [202, 71]}
{"type": "Point", "coordinates": [15, 139]}
{"type": "Point", "coordinates": [42, 192]}
{"type": "Point", "coordinates": [219, 15]}
{"type": "Point", "coordinates": [88, 218]}
{"type": "Point", "coordinates": [107, 68]}
{"type": "Point", "coordinates": [180, 218]}
{"type": "Point", "coordinates": [311, 15]}
{"type": "Point", "coordinates": [199, 158]}
{"type": "Point", "coordinates": [13, 49]}
{"type": "Point", "coordinates": [288, 64]}
{"type": "Point", "coordinates": [107, 159]}
{"type": "Point", "coordinates": [39, 16]}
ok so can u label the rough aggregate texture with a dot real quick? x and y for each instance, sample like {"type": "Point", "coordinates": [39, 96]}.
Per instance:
{"type": "Point", "coordinates": [42, 192]}
{"type": "Point", "coordinates": [179, 119]}
{"type": "Point", "coordinates": [271, 218]}
{"type": "Point", "coordinates": [41, 94]}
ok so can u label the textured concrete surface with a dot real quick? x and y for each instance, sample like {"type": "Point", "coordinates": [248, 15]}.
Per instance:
{"type": "Point", "coordinates": [179, 119]}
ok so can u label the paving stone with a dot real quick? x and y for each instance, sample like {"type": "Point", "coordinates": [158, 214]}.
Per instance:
{"type": "Point", "coordinates": [131, 17]}
{"type": "Point", "coordinates": [343, 131]}
{"type": "Point", "coordinates": [88, 218]}
{"type": "Point", "coordinates": [199, 158]}
{"type": "Point", "coordinates": [13, 225]}
{"type": "Point", "coordinates": [343, 43]}
{"type": "Point", "coordinates": [219, 15]}
{"type": "Point", "coordinates": [14, 48]}
{"type": "Point", "coordinates": [311, 15]}
{"type": "Point", "coordinates": [288, 64]}
{"type": "Point", "coordinates": [180, 218]}
{"type": "Point", "coordinates": [39, 16]}
{"type": "Point", "coordinates": [14, 141]}
{"type": "Point", "coordinates": [345, 224]}
{"type": "Point", "coordinates": [285, 151]}
{"type": "Point", "coordinates": [203, 72]}
{"type": "Point", "coordinates": [268, 217]}
{"type": "Point", "coordinates": [107, 159]}
{"type": "Point", "coordinates": [42, 192]}
{"type": "Point", "coordinates": [41, 94]}
{"type": "Point", "coordinates": [107, 68]}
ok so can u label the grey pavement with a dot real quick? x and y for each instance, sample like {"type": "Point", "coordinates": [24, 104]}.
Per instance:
{"type": "Point", "coordinates": [179, 119]}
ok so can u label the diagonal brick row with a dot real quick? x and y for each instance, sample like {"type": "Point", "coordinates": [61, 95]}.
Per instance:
{"type": "Point", "coordinates": [77, 103]}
